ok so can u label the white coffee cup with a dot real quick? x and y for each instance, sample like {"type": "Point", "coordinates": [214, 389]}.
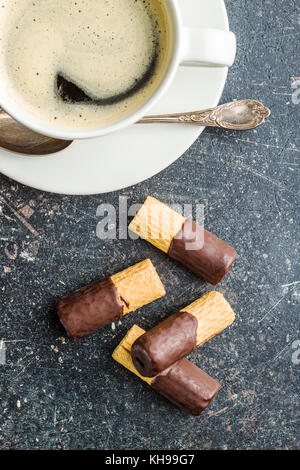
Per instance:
{"type": "Point", "coordinates": [190, 47]}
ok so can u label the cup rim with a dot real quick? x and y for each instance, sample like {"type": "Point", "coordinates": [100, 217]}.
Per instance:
{"type": "Point", "coordinates": [44, 128]}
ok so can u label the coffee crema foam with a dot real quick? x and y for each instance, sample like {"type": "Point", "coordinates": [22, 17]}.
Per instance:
{"type": "Point", "coordinates": [113, 50]}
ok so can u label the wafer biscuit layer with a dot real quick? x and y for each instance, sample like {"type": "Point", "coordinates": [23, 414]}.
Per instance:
{"type": "Point", "coordinates": [122, 352]}
{"type": "Point", "coordinates": [157, 223]}
{"type": "Point", "coordinates": [213, 314]}
{"type": "Point", "coordinates": [138, 285]}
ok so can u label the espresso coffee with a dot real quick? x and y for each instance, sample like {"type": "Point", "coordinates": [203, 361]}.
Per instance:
{"type": "Point", "coordinates": [82, 63]}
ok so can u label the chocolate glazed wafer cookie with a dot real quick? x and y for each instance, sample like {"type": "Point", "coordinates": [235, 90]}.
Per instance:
{"type": "Point", "coordinates": [107, 300]}
{"type": "Point", "coordinates": [183, 383]}
{"type": "Point", "coordinates": [180, 334]}
{"type": "Point", "coordinates": [183, 240]}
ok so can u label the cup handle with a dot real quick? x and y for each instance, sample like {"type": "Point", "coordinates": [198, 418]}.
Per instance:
{"type": "Point", "coordinates": [208, 47]}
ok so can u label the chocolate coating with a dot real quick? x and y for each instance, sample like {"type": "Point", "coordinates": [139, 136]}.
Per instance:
{"type": "Point", "coordinates": [187, 386]}
{"type": "Point", "coordinates": [90, 308]}
{"type": "Point", "coordinates": [165, 344]}
{"type": "Point", "coordinates": [211, 262]}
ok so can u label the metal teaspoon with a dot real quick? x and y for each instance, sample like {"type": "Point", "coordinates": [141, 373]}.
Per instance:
{"type": "Point", "coordinates": [236, 115]}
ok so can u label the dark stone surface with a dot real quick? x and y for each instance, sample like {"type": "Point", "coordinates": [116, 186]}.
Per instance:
{"type": "Point", "coordinates": [57, 394]}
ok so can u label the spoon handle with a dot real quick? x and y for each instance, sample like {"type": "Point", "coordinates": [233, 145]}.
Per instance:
{"type": "Point", "coordinates": [238, 115]}
{"type": "Point", "coordinates": [202, 118]}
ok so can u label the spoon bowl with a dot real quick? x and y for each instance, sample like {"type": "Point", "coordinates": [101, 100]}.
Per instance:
{"type": "Point", "coordinates": [17, 138]}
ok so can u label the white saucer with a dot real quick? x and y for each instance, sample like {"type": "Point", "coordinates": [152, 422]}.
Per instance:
{"type": "Point", "coordinates": [122, 159]}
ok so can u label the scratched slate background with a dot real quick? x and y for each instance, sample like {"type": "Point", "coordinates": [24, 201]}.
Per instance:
{"type": "Point", "coordinates": [57, 394]}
